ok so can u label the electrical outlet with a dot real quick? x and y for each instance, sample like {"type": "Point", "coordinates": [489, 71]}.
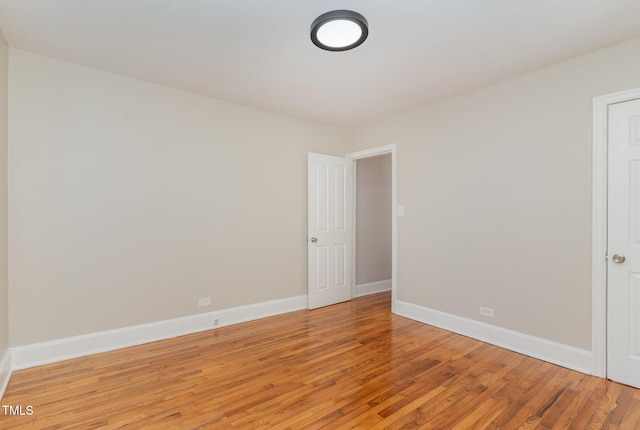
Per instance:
{"type": "Point", "coordinates": [204, 301]}
{"type": "Point", "coordinates": [487, 312]}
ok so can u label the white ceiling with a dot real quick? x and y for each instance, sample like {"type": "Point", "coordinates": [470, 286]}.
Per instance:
{"type": "Point", "coordinates": [258, 52]}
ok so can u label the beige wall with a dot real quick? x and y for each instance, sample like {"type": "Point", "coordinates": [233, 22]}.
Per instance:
{"type": "Point", "coordinates": [496, 185]}
{"type": "Point", "coordinates": [373, 232]}
{"type": "Point", "coordinates": [130, 200]}
{"type": "Point", "coordinates": [4, 286]}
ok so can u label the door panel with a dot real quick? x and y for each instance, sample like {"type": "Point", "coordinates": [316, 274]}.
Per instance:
{"type": "Point", "coordinates": [330, 221]}
{"type": "Point", "coordinates": [623, 286]}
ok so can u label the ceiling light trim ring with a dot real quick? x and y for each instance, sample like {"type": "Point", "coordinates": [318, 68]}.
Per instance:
{"type": "Point", "coordinates": [339, 15]}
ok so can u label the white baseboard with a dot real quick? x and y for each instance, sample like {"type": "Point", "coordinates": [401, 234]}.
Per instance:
{"type": "Point", "coordinates": [78, 346]}
{"type": "Point", "coordinates": [5, 372]}
{"type": "Point", "coordinates": [543, 349]}
{"type": "Point", "coordinates": [373, 287]}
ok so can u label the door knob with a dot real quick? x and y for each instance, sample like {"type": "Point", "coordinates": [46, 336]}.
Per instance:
{"type": "Point", "coordinates": [314, 240]}
{"type": "Point", "coordinates": [617, 258]}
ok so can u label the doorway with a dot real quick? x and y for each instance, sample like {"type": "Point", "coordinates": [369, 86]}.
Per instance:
{"type": "Point", "coordinates": [366, 287]}
{"type": "Point", "coordinates": [331, 188]}
{"type": "Point", "coordinates": [616, 240]}
{"type": "Point", "coordinates": [372, 224]}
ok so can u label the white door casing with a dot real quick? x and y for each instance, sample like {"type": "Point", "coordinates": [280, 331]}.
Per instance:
{"type": "Point", "coordinates": [623, 284]}
{"type": "Point", "coordinates": [330, 229]}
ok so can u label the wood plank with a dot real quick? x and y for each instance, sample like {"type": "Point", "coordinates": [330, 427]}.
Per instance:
{"type": "Point", "coordinates": [352, 365]}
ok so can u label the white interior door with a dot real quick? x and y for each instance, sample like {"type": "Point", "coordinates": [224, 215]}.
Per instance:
{"type": "Point", "coordinates": [623, 286]}
{"type": "Point", "coordinates": [330, 230]}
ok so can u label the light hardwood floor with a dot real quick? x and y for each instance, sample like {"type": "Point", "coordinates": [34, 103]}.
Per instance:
{"type": "Point", "coordinates": [352, 365]}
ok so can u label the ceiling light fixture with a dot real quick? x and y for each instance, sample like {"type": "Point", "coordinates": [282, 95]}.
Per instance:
{"type": "Point", "coordinates": [339, 30]}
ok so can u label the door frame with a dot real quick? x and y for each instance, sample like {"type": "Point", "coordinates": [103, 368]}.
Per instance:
{"type": "Point", "coordinates": [599, 221]}
{"type": "Point", "coordinates": [367, 153]}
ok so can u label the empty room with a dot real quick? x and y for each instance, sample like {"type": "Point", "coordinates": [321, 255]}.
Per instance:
{"type": "Point", "coordinates": [243, 214]}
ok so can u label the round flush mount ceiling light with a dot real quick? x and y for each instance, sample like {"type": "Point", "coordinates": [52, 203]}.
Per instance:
{"type": "Point", "coordinates": [339, 30]}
